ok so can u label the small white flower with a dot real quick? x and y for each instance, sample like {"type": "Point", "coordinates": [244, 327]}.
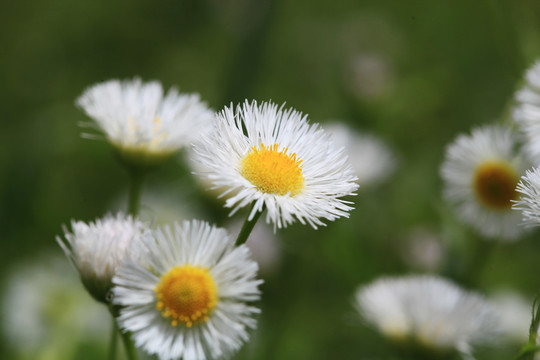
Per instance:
{"type": "Point", "coordinates": [428, 311]}
{"type": "Point", "coordinates": [529, 201]}
{"type": "Point", "coordinates": [527, 111]}
{"type": "Point", "coordinates": [481, 172]}
{"type": "Point", "coordinates": [141, 122]}
{"type": "Point", "coordinates": [96, 249]}
{"type": "Point", "coordinates": [185, 297]}
{"type": "Point", "coordinates": [370, 158]}
{"type": "Point", "coordinates": [273, 158]}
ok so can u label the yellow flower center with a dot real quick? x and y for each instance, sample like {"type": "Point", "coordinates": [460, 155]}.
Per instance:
{"type": "Point", "coordinates": [495, 185]}
{"type": "Point", "coordinates": [273, 171]}
{"type": "Point", "coordinates": [186, 294]}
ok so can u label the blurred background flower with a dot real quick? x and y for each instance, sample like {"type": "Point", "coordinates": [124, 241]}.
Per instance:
{"type": "Point", "coordinates": [371, 160]}
{"type": "Point", "coordinates": [47, 315]}
{"type": "Point", "coordinates": [427, 317]}
{"type": "Point", "coordinates": [423, 249]}
{"type": "Point", "coordinates": [480, 173]}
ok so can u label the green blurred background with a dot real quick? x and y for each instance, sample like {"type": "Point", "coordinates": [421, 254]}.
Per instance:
{"type": "Point", "coordinates": [415, 73]}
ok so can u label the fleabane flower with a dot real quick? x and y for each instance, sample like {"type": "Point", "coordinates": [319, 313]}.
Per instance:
{"type": "Point", "coordinates": [526, 113]}
{"type": "Point", "coordinates": [529, 200]}
{"type": "Point", "coordinates": [427, 314]}
{"type": "Point", "coordinates": [371, 159]}
{"type": "Point", "coordinates": [185, 294]}
{"type": "Point", "coordinates": [97, 248]}
{"type": "Point", "coordinates": [480, 173]}
{"type": "Point", "coordinates": [273, 158]}
{"type": "Point", "coordinates": [143, 124]}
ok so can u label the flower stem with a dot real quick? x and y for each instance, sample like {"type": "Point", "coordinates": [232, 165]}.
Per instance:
{"type": "Point", "coordinates": [135, 190]}
{"type": "Point", "coordinates": [114, 340]}
{"type": "Point", "coordinates": [129, 346]}
{"type": "Point", "coordinates": [248, 226]}
{"type": "Point", "coordinates": [527, 352]}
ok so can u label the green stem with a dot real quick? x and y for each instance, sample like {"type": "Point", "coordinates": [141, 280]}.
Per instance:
{"type": "Point", "coordinates": [129, 346]}
{"type": "Point", "coordinates": [248, 226]}
{"type": "Point", "coordinates": [527, 352]}
{"type": "Point", "coordinates": [135, 190]}
{"type": "Point", "coordinates": [535, 322]}
{"type": "Point", "coordinates": [114, 340]}
{"type": "Point", "coordinates": [481, 252]}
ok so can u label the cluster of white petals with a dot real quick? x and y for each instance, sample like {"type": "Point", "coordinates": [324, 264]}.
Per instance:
{"type": "Point", "coordinates": [97, 248]}
{"type": "Point", "coordinates": [494, 146]}
{"type": "Point", "coordinates": [327, 173]}
{"type": "Point", "coordinates": [137, 116]}
{"type": "Point", "coordinates": [194, 243]}
{"type": "Point", "coordinates": [527, 111]}
{"type": "Point", "coordinates": [429, 310]}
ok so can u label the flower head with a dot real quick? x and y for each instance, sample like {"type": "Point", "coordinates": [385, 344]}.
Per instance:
{"type": "Point", "coordinates": [427, 312]}
{"type": "Point", "coordinates": [274, 158]}
{"type": "Point", "coordinates": [96, 249]}
{"type": "Point", "coordinates": [481, 172]}
{"type": "Point", "coordinates": [185, 295]}
{"type": "Point", "coordinates": [529, 201]}
{"type": "Point", "coordinates": [527, 111]}
{"type": "Point", "coordinates": [144, 125]}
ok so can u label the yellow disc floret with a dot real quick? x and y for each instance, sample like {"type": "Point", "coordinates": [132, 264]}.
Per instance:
{"type": "Point", "coordinates": [186, 294]}
{"type": "Point", "coordinates": [273, 171]}
{"type": "Point", "coordinates": [495, 185]}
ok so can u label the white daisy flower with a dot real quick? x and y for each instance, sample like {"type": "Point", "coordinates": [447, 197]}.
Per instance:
{"type": "Point", "coordinates": [185, 297]}
{"type": "Point", "coordinates": [527, 111]}
{"type": "Point", "coordinates": [428, 312]}
{"type": "Point", "coordinates": [370, 158]}
{"type": "Point", "coordinates": [529, 201]}
{"type": "Point", "coordinates": [96, 249]}
{"type": "Point", "coordinates": [481, 172]}
{"type": "Point", "coordinates": [273, 158]}
{"type": "Point", "coordinates": [142, 123]}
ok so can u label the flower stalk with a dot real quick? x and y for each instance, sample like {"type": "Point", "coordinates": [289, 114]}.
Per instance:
{"type": "Point", "coordinates": [135, 190]}
{"type": "Point", "coordinates": [129, 346]}
{"type": "Point", "coordinates": [528, 350]}
{"type": "Point", "coordinates": [127, 341]}
{"type": "Point", "coordinates": [113, 344]}
{"type": "Point", "coordinates": [248, 226]}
